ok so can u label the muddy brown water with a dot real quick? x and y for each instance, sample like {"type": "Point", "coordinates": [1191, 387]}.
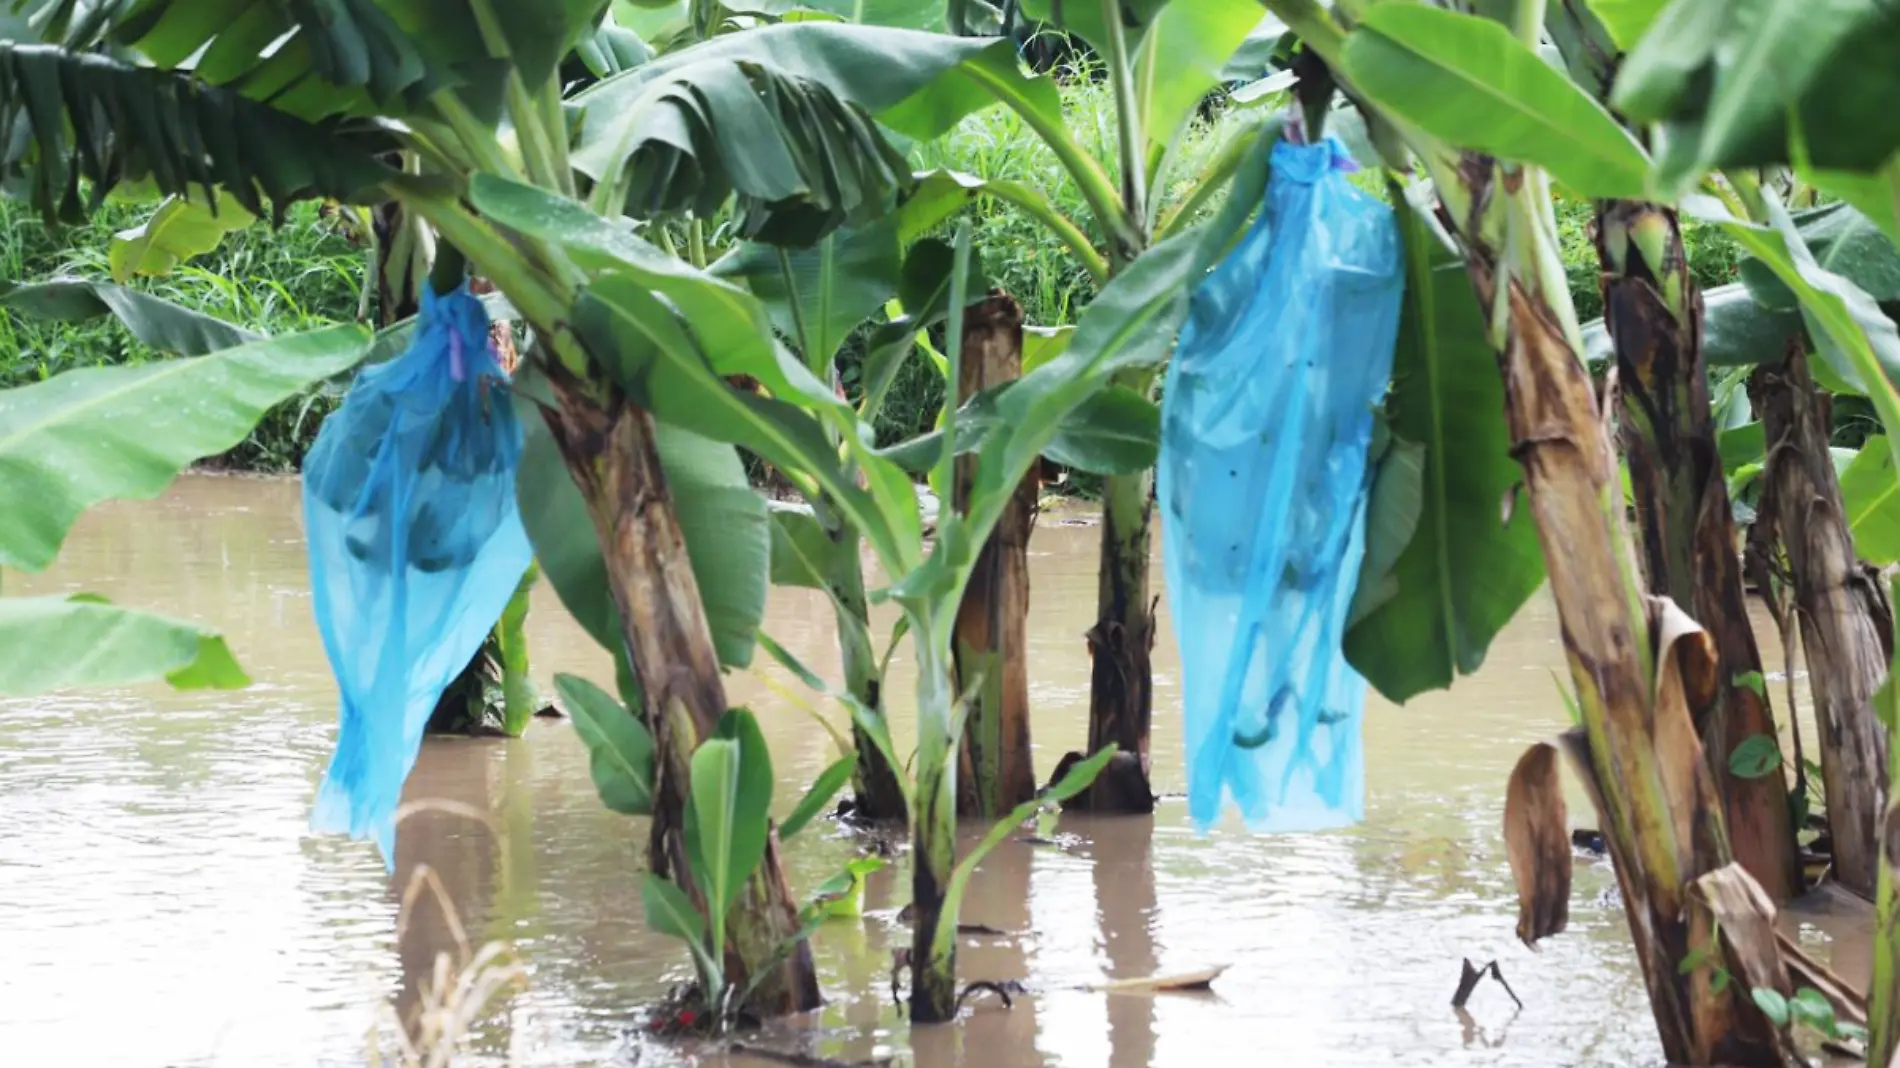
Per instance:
{"type": "Point", "coordinates": [162, 902]}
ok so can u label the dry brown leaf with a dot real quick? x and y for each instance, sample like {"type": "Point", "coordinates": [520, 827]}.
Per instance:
{"type": "Point", "coordinates": [1745, 914]}
{"type": "Point", "coordinates": [1685, 652]}
{"type": "Point", "coordinates": [1155, 984]}
{"type": "Point", "coordinates": [1537, 837]}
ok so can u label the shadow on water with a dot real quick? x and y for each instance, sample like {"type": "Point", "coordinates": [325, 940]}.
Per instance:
{"type": "Point", "coordinates": [156, 869]}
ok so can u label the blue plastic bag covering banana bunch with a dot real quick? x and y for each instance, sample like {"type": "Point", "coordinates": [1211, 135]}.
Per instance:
{"type": "Point", "coordinates": [1263, 483]}
{"type": "Point", "coordinates": [415, 545]}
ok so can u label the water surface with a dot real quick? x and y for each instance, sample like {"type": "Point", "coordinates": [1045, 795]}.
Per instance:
{"type": "Point", "coordinates": [162, 902]}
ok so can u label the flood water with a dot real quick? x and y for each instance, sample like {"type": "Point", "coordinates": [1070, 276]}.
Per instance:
{"type": "Point", "coordinates": [163, 904]}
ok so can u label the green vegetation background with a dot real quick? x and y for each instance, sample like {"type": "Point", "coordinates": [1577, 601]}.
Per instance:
{"type": "Point", "coordinates": [310, 273]}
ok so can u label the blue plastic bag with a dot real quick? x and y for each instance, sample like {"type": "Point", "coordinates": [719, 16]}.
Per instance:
{"type": "Point", "coordinates": [416, 546]}
{"type": "Point", "coordinates": [1263, 483]}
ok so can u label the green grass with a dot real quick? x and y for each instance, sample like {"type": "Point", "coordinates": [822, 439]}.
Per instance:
{"type": "Point", "coordinates": [270, 281]}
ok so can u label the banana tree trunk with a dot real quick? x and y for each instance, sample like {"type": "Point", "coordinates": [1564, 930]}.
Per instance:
{"type": "Point", "coordinates": [609, 450]}
{"type": "Point", "coordinates": [1660, 811]}
{"type": "Point", "coordinates": [1688, 537]}
{"type": "Point", "coordinates": [878, 795]}
{"type": "Point", "coordinates": [1121, 644]}
{"type": "Point", "coordinates": [990, 646]}
{"type": "Point", "coordinates": [1845, 618]}
{"type": "Point", "coordinates": [933, 827]}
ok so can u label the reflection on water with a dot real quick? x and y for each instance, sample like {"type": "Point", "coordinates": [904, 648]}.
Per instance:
{"type": "Point", "coordinates": [164, 904]}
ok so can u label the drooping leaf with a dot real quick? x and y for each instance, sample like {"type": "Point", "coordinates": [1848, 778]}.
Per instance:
{"type": "Point", "coordinates": [1755, 757]}
{"type": "Point", "coordinates": [726, 817]}
{"type": "Point", "coordinates": [1392, 513]}
{"type": "Point", "coordinates": [1849, 327]}
{"type": "Point", "coordinates": [178, 229]}
{"type": "Point", "coordinates": [1250, 61]}
{"type": "Point", "coordinates": [1844, 242]}
{"type": "Point", "coordinates": [818, 295]}
{"type": "Point", "coordinates": [1876, 194]}
{"type": "Point", "coordinates": [1468, 81]}
{"type": "Point", "coordinates": [1085, 19]}
{"type": "Point", "coordinates": [721, 517]}
{"type": "Point", "coordinates": [823, 789]}
{"type": "Point", "coordinates": [1114, 432]}
{"type": "Point", "coordinates": [677, 372]}
{"type": "Point", "coordinates": [1736, 330]}
{"type": "Point", "coordinates": [800, 161]}
{"type": "Point", "coordinates": [55, 126]}
{"type": "Point", "coordinates": [317, 58]}
{"type": "Point", "coordinates": [801, 550]}
{"type": "Point", "coordinates": [1466, 571]}
{"type": "Point", "coordinates": [154, 321]}
{"type": "Point", "coordinates": [1746, 444]}
{"type": "Point", "coordinates": [1537, 839]}
{"type": "Point", "coordinates": [1724, 76]}
{"type": "Point", "coordinates": [912, 82]}
{"type": "Point", "coordinates": [611, 48]}
{"type": "Point", "coordinates": [54, 643]}
{"type": "Point", "coordinates": [103, 433]}
{"type": "Point", "coordinates": [1870, 494]}
{"type": "Point", "coordinates": [730, 325]}
{"type": "Point", "coordinates": [619, 746]}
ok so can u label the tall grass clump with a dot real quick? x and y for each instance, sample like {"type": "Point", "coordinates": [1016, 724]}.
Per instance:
{"type": "Point", "coordinates": [306, 274]}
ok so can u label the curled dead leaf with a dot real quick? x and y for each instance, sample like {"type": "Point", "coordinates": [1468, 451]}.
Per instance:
{"type": "Point", "coordinates": [1537, 838]}
{"type": "Point", "coordinates": [1685, 654]}
{"type": "Point", "coordinates": [1154, 984]}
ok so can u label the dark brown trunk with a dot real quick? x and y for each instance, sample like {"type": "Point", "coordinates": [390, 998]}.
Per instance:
{"type": "Point", "coordinates": [1688, 537]}
{"type": "Point", "coordinates": [1636, 664]}
{"type": "Point", "coordinates": [997, 767]}
{"type": "Point", "coordinates": [1121, 675]}
{"type": "Point", "coordinates": [1845, 618]}
{"type": "Point", "coordinates": [611, 453]}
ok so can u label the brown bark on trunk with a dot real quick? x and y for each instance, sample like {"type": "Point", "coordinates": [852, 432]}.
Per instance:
{"type": "Point", "coordinates": [1689, 542]}
{"type": "Point", "coordinates": [611, 454]}
{"type": "Point", "coordinates": [1121, 646]}
{"type": "Point", "coordinates": [990, 645]}
{"type": "Point", "coordinates": [1661, 815]}
{"type": "Point", "coordinates": [1845, 618]}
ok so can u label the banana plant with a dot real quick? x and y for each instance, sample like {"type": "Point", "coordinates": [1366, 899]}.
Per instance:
{"type": "Point", "coordinates": [783, 126]}
{"type": "Point", "coordinates": [1160, 67]}
{"type": "Point", "coordinates": [1435, 78]}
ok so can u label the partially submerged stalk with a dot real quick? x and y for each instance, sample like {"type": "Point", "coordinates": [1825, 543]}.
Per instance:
{"type": "Point", "coordinates": [1121, 645]}
{"type": "Point", "coordinates": [990, 647]}
{"type": "Point", "coordinates": [610, 450]}
{"type": "Point", "coordinates": [1846, 622]}
{"type": "Point", "coordinates": [1635, 663]}
{"type": "Point", "coordinates": [1688, 539]}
